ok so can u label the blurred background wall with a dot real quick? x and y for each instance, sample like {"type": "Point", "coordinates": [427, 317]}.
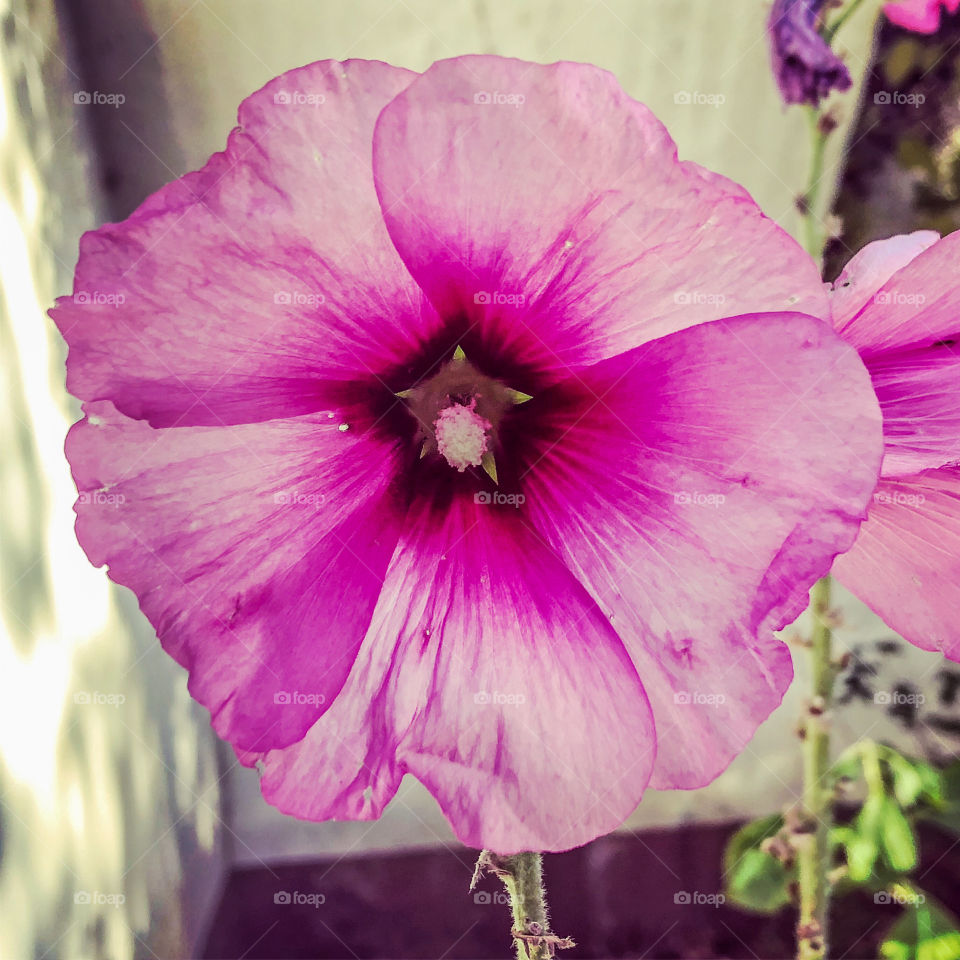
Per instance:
{"type": "Point", "coordinates": [120, 814]}
{"type": "Point", "coordinates": [111, 818]}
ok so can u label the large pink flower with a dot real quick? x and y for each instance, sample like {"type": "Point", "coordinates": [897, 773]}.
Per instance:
{"type": "Point", "coordinates": [921, 16]}
{"type": "Point", "coordinates": [897, 303]}
{"type": "Point", "coordinates": [302, 365]}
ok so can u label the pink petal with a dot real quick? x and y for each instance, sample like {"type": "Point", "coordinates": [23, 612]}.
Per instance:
{"type": "Point", "coordinates": [921, 16]}
{"type": "Point", "coordinates": [869, 269]}
{"type": "Point", "coordinates": [563, 226]}
{"type": "Point", "coordinates": [908, 335]}
{"type": "Point", "coordinates": [490, 675]}
{"type": "Point", "coordinates": [257, 552]}
{"type": "Point", "coordinates": [697, 486]}
{"type": "Point", "coordinates": [244, 291]}
{"type": "Point", "coordinates": [905, 564]}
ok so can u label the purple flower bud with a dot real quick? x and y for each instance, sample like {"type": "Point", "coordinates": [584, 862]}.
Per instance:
{"type": "Point", "coordinates": [805, 67]}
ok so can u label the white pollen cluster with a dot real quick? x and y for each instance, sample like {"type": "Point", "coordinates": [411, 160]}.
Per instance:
{"type": "Point", "coordinates": [461, 435]}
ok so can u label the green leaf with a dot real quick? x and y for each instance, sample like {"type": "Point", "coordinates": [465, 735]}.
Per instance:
{"type": "Point", "coordinates": [896, 837]}
{"type": "Point", "coordinates": [932, 782]}
{"type": "Point", "coordinates": [864, 846]}
{"type": "Point", "coordinates": [751, 835]}
{"type": "Point", "coordinates": [849, 765]}
{"type": "Point", "coordinates": [926, 931]}
{"type": "Point", "coordinates": [841, 835]}
{"type": "Point", "coordinates": [907, 783]}
{"type": "Point", "coordinates": [913, 779]}
{"type": "Point", "coordinates": [861, 856]}
{"type": "Point", "coordinates": [951, 782]}
{"type": "Point", "coordinates": [753, 879]}
{"type": "Point", "coordinates": [759, 883]}
{"type": "Point", "coordinates": [946, 812]}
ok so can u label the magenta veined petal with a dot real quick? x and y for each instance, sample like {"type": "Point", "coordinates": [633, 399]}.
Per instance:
{"type": "Point", "coordinates": [908, 334]}
{"type": "Point", "coordinates": [905, 564]}
{"type": "Point", "coordinates": [625, 243]}
{"type": "Point", "coordinates": [696, 486]}
{"type": "Point", "coordinates": [868, 270]}
{"type": "Point", "coordinates": [260, 286]}
{"type": "Point", "coordinates": [257, 551]}
{"type": "Point", "coordinates": [490, 675]}
{"type": "Point", "coordinates": [896, 303]}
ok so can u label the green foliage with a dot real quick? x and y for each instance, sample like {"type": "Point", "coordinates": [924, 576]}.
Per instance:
{"type": "Point", "coordinates": [876, 850]}
{"type": "Point", "coordinates": [925, 931]}
{"type": "Point", "coordinates": [754, 879]}
{"type": "Point", "coordinates": [897, 842]}
{"type": "Point", "coordinates": [863, 845]}
{"type": "Point", "coordinates": [944, 808]}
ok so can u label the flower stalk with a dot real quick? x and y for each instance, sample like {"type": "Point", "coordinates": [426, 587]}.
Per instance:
{"type": "Point", "coordinates": [831, 31]}
{"type": "Point", "coordinates": [522, 875]}
{"type": "Point", "coordinates": [813, 848]}
{"type": "Point", "coordinates": [814, 232]}
{"type": "Point", "coordinates": [813, 843]}
{"type": "Point", "coordinates": [813, 851]}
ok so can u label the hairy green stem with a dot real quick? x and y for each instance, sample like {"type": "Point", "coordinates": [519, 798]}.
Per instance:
{"type": "Point", "coordinates": [527, 898]}
{"type": "Point", "coordinates": [522, 875]}
{"type": "Point", "coordinates": [812, 840]}
{"type": "Point", "coordinates": [813, 852]}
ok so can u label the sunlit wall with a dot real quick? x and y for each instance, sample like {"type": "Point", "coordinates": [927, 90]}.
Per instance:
{"type": "Point", "coordinates": [109, 795]}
